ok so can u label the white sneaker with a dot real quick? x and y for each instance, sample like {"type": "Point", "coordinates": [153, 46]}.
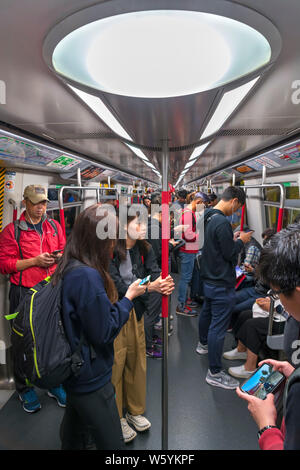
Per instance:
{"type": "Point", "coordinates": [240, 371]}
{"type": "Point", "coordinates": [235, 354]}
{"type": "Point", "coordinates": [202, 348]}
{"type": "Point", "coordinates": [128, 433]}
{"type": "Point", "coordinates": [139, 422]}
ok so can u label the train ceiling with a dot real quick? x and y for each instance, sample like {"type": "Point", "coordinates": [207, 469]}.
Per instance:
{"type": "Point", "coordinates": [41, 103]}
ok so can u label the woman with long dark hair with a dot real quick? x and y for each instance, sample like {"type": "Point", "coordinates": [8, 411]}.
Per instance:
{"type": "Point", "coordinates": [134, 257]}
{"type": "Point", "coordinates": [90, 311]}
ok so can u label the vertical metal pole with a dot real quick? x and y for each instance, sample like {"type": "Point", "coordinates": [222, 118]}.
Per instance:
{"type": "Point", "coordinates": [165, 300]}
{"type": "Point", "coordinates": [242, 218]}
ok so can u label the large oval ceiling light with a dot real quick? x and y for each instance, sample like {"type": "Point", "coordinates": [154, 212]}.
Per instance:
{"type": "Point", "coordinates": [160, 53]}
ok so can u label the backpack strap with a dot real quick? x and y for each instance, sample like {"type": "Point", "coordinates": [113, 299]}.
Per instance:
{"type": "Point", "coordinates": [295, 377]}
{"type": "Point", "coordinates": [188, 211]}
{"type": "Point", "coordinates": [76, 356]}
{"type": "Point", "coordinates": [53, 225]}
{"type": "Point", "coordinates": [17, 232]}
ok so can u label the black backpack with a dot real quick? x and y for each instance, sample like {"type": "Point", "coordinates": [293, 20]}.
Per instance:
{"type": "Point", "coordinates": [42, 353]}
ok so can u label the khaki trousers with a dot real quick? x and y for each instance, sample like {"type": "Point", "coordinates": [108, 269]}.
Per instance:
{"type": "Point", "coordinates": [129, 368]}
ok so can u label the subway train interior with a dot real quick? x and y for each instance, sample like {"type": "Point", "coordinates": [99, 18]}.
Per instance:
{"type": "Point", "coordinates": [106, 100]}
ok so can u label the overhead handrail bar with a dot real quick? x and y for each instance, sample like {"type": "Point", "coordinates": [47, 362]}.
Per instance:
{"type": "Point", "coordinates": [282, 199]}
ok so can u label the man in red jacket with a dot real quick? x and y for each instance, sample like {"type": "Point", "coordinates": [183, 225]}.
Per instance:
{"type": "Point", "coordinates": [29, 251]}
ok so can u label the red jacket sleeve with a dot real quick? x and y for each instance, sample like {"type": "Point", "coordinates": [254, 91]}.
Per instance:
{"type": "Point", "coordinates": [272, 439]}
{"type": "Point", "coordinates": [9, 250]}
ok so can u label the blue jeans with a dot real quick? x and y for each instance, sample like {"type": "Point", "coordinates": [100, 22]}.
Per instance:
{"type": "Point", "coordinates": [245, 299]}
{"type": "Point", "coordinates": [186, 273]}
{"type": "Point", "coordinates": [214, 320]}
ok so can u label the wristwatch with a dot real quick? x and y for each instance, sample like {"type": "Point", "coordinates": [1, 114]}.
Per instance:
{"type": "Point", "coordinates": [261, 431]}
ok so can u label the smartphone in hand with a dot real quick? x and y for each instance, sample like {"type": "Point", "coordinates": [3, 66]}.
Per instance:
{"type": "Point", "coordinates": [263, 381]}
{"type": "Point", "coordinates": [144, 281]}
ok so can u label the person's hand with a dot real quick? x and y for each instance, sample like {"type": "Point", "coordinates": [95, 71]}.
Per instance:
{"type": "Point", "coordinates": [135, 290]}
{"type": "Point", "coordinates": [180, 228]}
{"type": "Point", "coordinates": [264, 303]}
{"type": "Point", "coordinates": [263, 411]}
{"type": "Point", "coordinates": [236, 235]}
{"type": "Point", "coordinates": [163, 286]}
{"type": "Point", "coordinates": [284, 367]}
{"type": "Point", "coordinates": [248, 267]}
{"type": "Point", "coordinates": [44, 260]}
{"type": "Point", "coordinates": [245, 236]}
{"type": "Point", "coordinates": [57, 257]}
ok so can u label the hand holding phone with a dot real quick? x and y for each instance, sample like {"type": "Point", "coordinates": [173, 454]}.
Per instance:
{"type": "Point", "coordinates": [145, 281]}
{"type": "Point", "coordinates": [263, 381]}
{"type": "Point", "coordinates": [56, 252]}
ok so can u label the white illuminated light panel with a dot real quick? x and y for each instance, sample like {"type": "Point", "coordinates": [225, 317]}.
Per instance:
{"type": "Point", "coordinates": [103, 112]}
{"type": "Point", "coordinates": [134, 54]}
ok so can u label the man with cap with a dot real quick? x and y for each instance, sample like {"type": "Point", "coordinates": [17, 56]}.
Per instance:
{"type": "Point", "coordinates": [29, 251]}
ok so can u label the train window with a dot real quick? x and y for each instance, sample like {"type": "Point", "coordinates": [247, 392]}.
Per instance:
{"type": "Point", "coordinates": [271, 203]}
{"type": "Point", "coordinates": [70, 195]}
{"type": "Point", "coordinates": [71, 199]}
{"type": "Point", "coordinates": [271, 213]}
{"type": "Point", "coordinates": [273, 194]}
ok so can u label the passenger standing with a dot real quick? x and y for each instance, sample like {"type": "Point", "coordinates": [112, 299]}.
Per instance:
{"type": "Point", "coordinates": [187, 254]}
{"type": "Point", "coordinates": [89, 310]}
{"type": "Point", "coordinates": [29, 251]}
{"type": "Point", "coordinates": [218, 261]}
{"type": "Point", "coordinates": [134, 257]}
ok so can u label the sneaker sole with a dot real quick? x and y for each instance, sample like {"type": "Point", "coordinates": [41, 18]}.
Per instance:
{"type": "Point", "coordinates": [62, 405]}
{"type": "Point", "coordinates": [202, 352]}
{"type": "Point", "coordinates": [129, 439]}
{"type": "Point", "coordinates": [29, 411]}
{"type": "Point", "coordinates": [139, 429]}
{"type": "Point", "coordinates": [187, 314]}
{"type": "Point", "coordinates": [234, 374]}
{"type": "Point", "coordinates": [235, 358]}
{"type": "Point", "coordinates": [220, 385]}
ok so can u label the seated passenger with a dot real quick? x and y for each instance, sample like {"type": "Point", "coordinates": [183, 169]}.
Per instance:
{"type": "Point", "coordinates": [89, 308]}
{"type": "Point", "coordinates": [245, 298]}
{"type": "Point", "coordinates": [134, 257]}
{"type": "Point", "coordinates": [280, 268]}
{"type": "Point", "coordinates": [251, 330]}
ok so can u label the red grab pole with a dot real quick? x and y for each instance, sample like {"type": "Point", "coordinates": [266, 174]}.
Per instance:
{"type": "Point", "coordinates": [280, 219]}
{"type": "Point", "coordinates": [242, 218]}
{"type": "Point", "coordinates": [62, 220]}
{"type": "Point", "coordinates": [165, 248]}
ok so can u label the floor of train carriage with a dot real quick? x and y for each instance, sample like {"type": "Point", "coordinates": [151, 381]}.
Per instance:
{"type": "Point", "coordinates": [201, 417]}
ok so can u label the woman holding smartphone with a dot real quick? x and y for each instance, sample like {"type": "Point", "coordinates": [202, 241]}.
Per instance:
{"type": "Point", "coordinates": [134, 257]}
{"type": "Point", "coordinates": [90, 311]}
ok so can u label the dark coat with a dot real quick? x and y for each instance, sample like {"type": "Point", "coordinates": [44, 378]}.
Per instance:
{"type": "Point", "coordinates": [142, 266]}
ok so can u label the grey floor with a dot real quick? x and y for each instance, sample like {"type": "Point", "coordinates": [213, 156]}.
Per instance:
{"type": "Point", "coordinates": [201, 417]}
